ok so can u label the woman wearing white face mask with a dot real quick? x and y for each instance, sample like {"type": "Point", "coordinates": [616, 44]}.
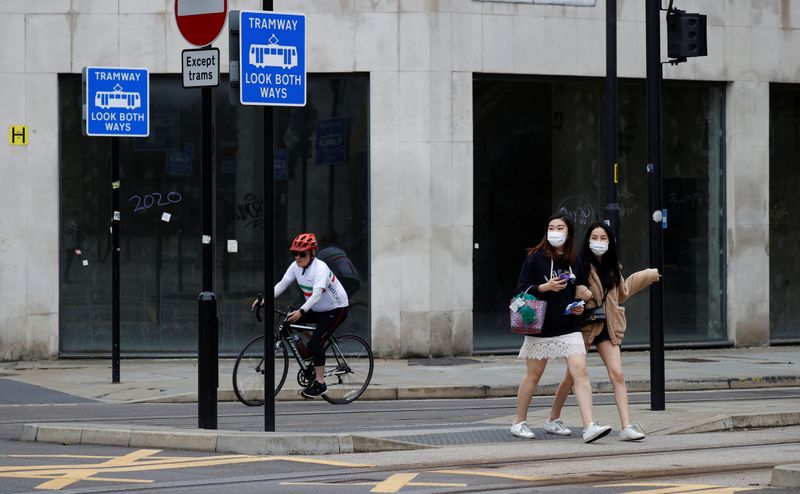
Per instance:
{"type": "Point", "coordinates": [609, 289]}
{"type": "Point", "coordinates": [553, 272]}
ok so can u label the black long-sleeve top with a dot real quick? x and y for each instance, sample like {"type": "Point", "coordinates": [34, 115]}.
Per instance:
{"type": "Point", "coordinates": [536, 271]}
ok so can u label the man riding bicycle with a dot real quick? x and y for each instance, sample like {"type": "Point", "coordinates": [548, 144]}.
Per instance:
{"type": "Point", "coordinates": [326, 302]}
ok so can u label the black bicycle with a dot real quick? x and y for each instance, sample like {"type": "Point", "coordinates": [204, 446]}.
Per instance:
{"type": "Point", "coordinates": [348, 363]}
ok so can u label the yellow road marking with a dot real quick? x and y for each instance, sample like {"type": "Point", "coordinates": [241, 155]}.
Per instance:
{"type": "Point", "coordinates": [131, 458]}
{"type": "Point", "coordinates": [76, 475]}
{"type": "Point", "coordinates": [329, 484]}
{"type": "Point", "coordinates": [395, 482]}
{"type": "Point", "coordinates": [482, 473]}
{"type": "Point", "coordinates": [351, 484]}
{"type": "Point", "coordinates": [727, 490]}
{"type": "Point", "coordinates": [98, 479]}
{"type": "Point", "coordinates": [60, 476]}
{"type": "Point", "coordinates": [90, 457]}
{"type": "Point", "coordinates": [72, 477]}
{"type": "Point", "coordinates": [185, 461]}
{"type": "Point", "coordinates": [153, 461]}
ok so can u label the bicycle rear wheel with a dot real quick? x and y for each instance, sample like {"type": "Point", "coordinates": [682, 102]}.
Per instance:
{"type": "Point", "coordinates": [248, 371]}
{"type": "Point", "coordinates": [348, 368]}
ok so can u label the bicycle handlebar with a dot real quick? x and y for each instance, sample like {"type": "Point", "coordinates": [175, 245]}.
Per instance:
{"type": "Point", "coordinates": [260, 303]}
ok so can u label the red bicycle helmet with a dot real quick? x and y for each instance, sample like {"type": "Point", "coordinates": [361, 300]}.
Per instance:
{"type": "Point", "coordinates": [304, 242]}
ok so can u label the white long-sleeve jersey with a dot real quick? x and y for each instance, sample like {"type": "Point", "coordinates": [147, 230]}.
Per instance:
{"type": "Point", "coordinates": [322, 289]}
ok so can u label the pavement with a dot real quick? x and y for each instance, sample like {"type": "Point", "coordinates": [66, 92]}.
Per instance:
{"type": "Point", "coordinates": [175, 380]}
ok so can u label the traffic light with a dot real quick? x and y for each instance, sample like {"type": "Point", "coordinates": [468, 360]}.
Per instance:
{"type": "Point", "coordinates": [686, 34]}
{"type": "Point", "coordinates": [233, 56]}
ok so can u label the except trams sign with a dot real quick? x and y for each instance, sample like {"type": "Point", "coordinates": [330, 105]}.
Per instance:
{"type": "Point", "coordinates": [200, 67]}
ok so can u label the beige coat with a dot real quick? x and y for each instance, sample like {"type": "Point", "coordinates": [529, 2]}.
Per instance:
{"type": "Point", "coordinates": [615, 312]}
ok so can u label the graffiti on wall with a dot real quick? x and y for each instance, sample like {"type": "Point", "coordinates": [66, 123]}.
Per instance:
{"type": "Point", "coordinates": [251, 211]}
{"type": "Point", "coordinates": [578, 209]}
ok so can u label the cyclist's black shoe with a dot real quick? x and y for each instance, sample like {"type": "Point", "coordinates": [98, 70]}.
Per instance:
{"type": "Point", "coordinates": [315, 389]}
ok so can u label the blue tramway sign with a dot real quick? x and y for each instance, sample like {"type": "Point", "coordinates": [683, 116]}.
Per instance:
{"type": "Point", "coordinates": [272, 58]}
{"type": "Point", "coordinates": [116, 102]}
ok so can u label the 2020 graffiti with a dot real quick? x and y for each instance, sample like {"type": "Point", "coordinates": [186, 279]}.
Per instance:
{"type": "Point", "coordinates": [145, 202]}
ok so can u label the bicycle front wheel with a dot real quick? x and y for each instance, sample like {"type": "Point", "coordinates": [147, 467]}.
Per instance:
{"type": "Point", "coordinates": [248, 371]}
{"type": "Point", "coordinates": [348, 368]}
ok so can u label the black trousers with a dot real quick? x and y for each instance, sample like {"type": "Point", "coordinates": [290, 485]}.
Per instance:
{"type": "Point", "coordinates": [326, 322]}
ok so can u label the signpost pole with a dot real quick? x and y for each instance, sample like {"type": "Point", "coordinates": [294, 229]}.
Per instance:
{"type": "Point", "coordinates": [269, 267]}
{"type": "Point", "coordinates": [200, 23]}
{"type": "Point", "coordinates": [208, 323]}
{"type": "Point", "coordinates": [272, 72]}
{"type": "Point", "coordinates": [115, 221]}
{"type": "Point", "coordinates": [653, 48]}
{"type": "Point", "coordinates": [116, 103]}
{"type": "Point", "coordinates": [612, 206]}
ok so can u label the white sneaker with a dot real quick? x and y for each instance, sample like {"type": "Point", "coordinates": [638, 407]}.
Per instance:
{"type": "Point", "coordinates": [556, 427]}
{"type": "Point", "coordinates": [631, 433]}
{"type": "Point", "coordinates": [522, 430]}
{"type": "Point", "coordinates": [595, 432]}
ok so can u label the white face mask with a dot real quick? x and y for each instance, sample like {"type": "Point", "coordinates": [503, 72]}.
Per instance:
{"type": "Point", "coordinates": [556, 239]}
{"type": "Point", "coordinates": [599, 248]}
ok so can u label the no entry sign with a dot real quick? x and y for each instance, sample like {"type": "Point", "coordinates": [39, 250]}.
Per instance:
{"type": "Point", "coordinates": [200, 21]}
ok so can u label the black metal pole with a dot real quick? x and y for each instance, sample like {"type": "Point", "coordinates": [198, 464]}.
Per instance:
{"type": "Point", "coordinates": [208, 326]}
{"type": "Point", "coordinates": [303, 190]}
{"type": "Point", "coordinates": [269, 268]}
{"type": "Point", "coordinates": [336, 87]}
{"type": "Point", "coordinates": [115, 259]}
{"type": "Point", "coordinates": [657, 395]}
{"type": "Point", "coordinates": [331, 198]}
{"type": "Point", "coordinates": [612, 177]}
{"type": "Point", "coordinates": [207, 184]}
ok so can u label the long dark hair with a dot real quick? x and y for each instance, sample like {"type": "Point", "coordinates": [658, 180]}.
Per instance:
{"type": "Point", "coordinates": [570, 252]}
{"type": "Point", "coordinates": [607, 267]}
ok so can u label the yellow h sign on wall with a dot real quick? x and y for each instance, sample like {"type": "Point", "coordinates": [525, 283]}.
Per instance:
{"type": "Point", "coordinates": [18, 135]}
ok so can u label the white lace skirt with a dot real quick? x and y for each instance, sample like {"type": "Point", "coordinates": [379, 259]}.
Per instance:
{"type": "Point", "coordinates": [535, 348]}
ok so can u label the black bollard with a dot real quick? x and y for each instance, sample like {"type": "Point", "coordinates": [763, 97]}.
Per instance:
{"type": "Point", "coordinates": [207, 360]}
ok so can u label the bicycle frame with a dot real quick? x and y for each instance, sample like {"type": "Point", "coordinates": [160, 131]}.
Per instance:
{"type": "Point", "coordinates": [289, 341]}
{"type": "Point", "coordinates": [303, 363]}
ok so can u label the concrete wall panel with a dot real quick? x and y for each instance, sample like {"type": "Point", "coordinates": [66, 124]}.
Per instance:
{"type": "Point", "coordinates": [12, 36]}
{"type": "Point", "coordinates": [48, 43]}
{"type": "Point", "coordinates": [747, 204]}
{"type": "Point", "coordinates": [95, 41]}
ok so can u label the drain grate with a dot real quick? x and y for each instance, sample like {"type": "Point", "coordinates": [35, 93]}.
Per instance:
{"type": "Point", "coordinates": [443, 361]}
{"type": "Point", "coordinates": [481, 436]}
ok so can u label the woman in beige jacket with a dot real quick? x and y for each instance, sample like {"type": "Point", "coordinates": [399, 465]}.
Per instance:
{"type": "Point", "coordinates": [609, 290]}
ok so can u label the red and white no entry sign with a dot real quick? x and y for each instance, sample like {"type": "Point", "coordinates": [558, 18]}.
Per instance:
{"type": "Point", "coordinates": [200, 21]}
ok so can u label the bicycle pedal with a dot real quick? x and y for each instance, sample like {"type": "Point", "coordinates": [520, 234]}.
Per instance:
{"type": "Point", "coordinates": [300, 392]}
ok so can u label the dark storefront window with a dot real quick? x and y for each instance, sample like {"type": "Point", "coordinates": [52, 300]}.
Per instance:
{"type": "Point", "coordinates": [540, 147]}
{"type": "Point", "coordinates": [784, 212]}
{"type": "Point", "coordinates": [321, 173]}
